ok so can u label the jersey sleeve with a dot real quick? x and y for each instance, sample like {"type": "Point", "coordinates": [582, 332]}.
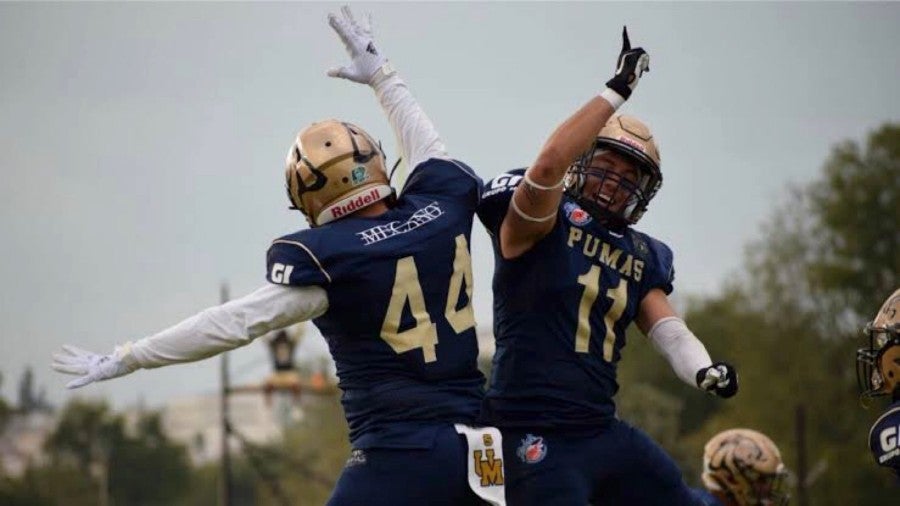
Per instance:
{"type": "Point", "coordinates": [447, 179]}
{"type": "Point", "coordinates": [495, 199]}
{"type": "Point", "coordinates": [661, 273]}
{"type": "Point", "coordinates": [884, 439]}
{"type": "Point", "coordinates": [291, 262]}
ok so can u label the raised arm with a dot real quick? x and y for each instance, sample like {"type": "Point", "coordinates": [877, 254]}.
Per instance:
{"type": "Point", "coordinates": [416, 134]}
{"type": "Point", "coordinates": [209, 332]}
{"type": "Point", "coordinates": [532, 210]}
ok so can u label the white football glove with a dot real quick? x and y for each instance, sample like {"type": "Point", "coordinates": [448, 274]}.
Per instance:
{"type": "Point", "coordinates": [357, 38]}
{"type": "Point", "coordinates": [92, 367]}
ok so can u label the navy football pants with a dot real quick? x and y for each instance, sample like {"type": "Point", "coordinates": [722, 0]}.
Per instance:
{"type": "Point", "coordinates": [399, 477]}
{"type": "Point", "coordinates": [619, 466]}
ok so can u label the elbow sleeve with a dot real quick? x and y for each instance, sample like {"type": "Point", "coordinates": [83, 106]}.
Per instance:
{"type": "Point", "coordinates": [684, 352]}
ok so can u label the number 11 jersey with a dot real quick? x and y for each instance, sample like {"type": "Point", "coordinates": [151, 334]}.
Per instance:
{"type": "Point", "coordinates": [560, 314]}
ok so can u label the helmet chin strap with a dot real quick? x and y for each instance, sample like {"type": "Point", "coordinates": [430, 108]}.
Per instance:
{"type": "Point", "coordinates": [394, 169]}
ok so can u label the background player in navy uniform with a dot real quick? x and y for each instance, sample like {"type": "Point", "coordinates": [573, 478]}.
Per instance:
{"type": "Point", "coordinates": [742, 467]}
{"type": "Point", "coordinates": [878, 372]}
{"type": "Point", "coordinates": [386, 279]}
{"type": "Point", "coordinates": [570, 276]}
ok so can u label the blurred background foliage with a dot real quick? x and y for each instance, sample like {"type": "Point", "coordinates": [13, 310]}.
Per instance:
{"type": "Point", "coordinates": [789, 319]}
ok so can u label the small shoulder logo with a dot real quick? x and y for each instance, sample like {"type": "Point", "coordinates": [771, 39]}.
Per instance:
{"type": "Point", "coordinates": [532, 450]}
{"type": "Point", "coordinates": [576, 214]}
{"type": "Point", "coordinates": [359, 175]}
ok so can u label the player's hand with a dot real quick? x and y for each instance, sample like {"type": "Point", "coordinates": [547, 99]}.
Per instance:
{"type": "Point", "coordinates": [718, 379]}
{"type": "Point", "coordinates": [90, 367]}
{"type": "Point", "coordinates": [632, 63]}
{"type": "Point", "coordinates": [365, 60]}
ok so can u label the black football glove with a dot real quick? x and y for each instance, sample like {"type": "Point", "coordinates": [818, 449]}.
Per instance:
{"type": "Point", "coordinates": [719, 379]}
{"type": "Point", "coordinates": [631, 64]}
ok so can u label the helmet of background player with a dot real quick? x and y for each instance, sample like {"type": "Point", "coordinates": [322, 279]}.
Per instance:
{"type": "Point", "coordinates": [878, 364]}
{"type": "Point", "coordinates": [744, 467]}
{"type": "Point", "coordinates": [601, 186]}
{"type": "Point", "coordinates": [334, 169]}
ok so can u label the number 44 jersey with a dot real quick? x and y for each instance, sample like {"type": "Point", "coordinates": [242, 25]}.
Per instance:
{"type": "Point", "coordinates": [560, 314]}
{"type": "Point", "coordinates": [399, 322]}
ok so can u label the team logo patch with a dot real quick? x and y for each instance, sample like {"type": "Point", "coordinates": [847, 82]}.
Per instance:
{"type": "Point", "coordinates": [488, 467]}
{"type": "Point", "coordinates": [532, 450]}
{"type": "Point", "coordinates": [357, 458]}
{"type": "Point", "coordinates": [359, 175]}
{"type": "Point", "coordinates": [641, 246]}
{"type": "Point", "coordinates": [576, 214]}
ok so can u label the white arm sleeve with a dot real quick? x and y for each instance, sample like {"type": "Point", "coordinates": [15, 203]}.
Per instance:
{"type": "Point", "coordinates": [418, 138]}
{"type": "Point", "coordinates": [685, 353]}
{"type": "Point", "coordinates": [231, 325]}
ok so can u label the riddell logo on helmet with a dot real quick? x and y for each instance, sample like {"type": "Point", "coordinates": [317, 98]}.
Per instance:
{"type": "Point", "coordinates": [631, 142]}
{"type": "Point", "coordinates": [355, 204]}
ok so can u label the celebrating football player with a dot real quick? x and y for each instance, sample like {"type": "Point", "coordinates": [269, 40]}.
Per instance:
{"type": "Point", "coordinates": [878, 374]}
{"type": "Point", "coordinates": [742, 467]}
{"type": "Point", "coordinates": [571, 274]}
{"type": "Point", "coordinates": [388, 281]}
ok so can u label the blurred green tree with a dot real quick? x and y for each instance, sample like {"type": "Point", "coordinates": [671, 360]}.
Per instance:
{"type": "Point", "coordinates": [138, 467]}
{"type": "Point", "coordinates": [311, 456]}
{"type": "Point", "coordinates": [856, 226]}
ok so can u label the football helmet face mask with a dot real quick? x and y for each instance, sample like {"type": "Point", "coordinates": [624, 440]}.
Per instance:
{"type": "Point", "coordinates": [878, 364]}
{"type": "Point", "coordinates": [334, 169]}
{"type": "Point", "coordinates": [602, 189]}
{"type": "Point", "coordinates": [746, 467]}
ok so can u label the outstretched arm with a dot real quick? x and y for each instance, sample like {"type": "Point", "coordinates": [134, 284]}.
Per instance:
{"type": "Point", "coordinates": [209, 332]}
{"type": "Point", "coordinates": [684, 352]}
{"type": "Point", "coordinates": [416, 134]}
{"type": "Point", "coordinates": [532, 210]}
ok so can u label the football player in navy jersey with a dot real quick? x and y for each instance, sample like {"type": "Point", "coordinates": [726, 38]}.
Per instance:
{"type": "Point", "coordinates": [742, 467]}
{"type": "Point", "coordinates": [388, 281]}
{"type": "Point", "coordinates": [878, 373]}
{"type": "Point", "coordinates": [571, 274]}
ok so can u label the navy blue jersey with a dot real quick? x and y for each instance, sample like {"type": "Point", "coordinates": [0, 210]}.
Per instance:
{"type": "Point", "coordinates": [560, 314]}
{"type": "Point", "coordinates": [883, 438]}
{"type": "Point", "coordinates": [399, 323]}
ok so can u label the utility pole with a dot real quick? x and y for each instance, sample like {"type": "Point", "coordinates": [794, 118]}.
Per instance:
{"type": "Point", "coordinates": [225, 479]}
{"type": "Point", "coordinates": [800, 426]}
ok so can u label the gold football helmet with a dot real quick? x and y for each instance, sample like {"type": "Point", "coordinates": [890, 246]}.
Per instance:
{"type": "Point", "coordinates": [335, 169]}
{"type": "Point", "coordinates": [878, 365]}
{"type": "Point", "coordinates": [744, 467]}
{"type": "Point", "coordinates": [631, 138]}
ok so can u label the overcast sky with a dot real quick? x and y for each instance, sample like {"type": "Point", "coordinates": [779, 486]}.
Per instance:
{"type": "Point", "coordinates": [141, 145]}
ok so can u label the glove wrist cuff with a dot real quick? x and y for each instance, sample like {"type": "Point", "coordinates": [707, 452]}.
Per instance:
{"type": "Point", "coordinates": [699, 377]}
{"type": "Point", "coordinates": [124, 355]}
{"type": "Point", "coordinates": [381, 75]}
{"type": "Point", "coordinates": [613, 97]}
